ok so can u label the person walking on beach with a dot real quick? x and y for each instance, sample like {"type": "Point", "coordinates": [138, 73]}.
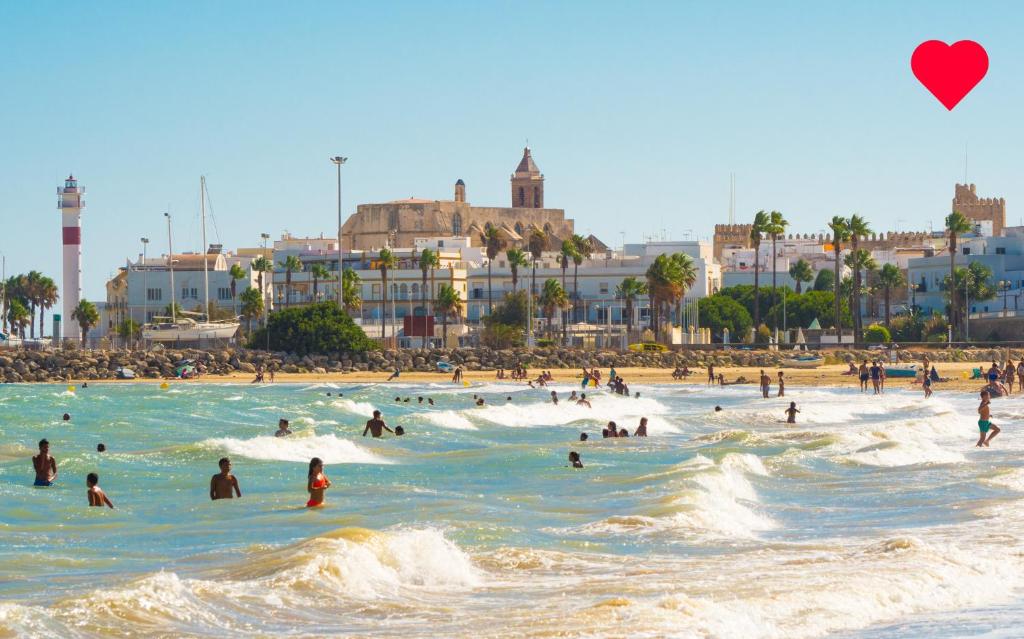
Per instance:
{"type": "Point", "coordinates": [1010, 374]}
{"type": "Point", "coordinates": [875, 376]}
{"type": "Point", "coordinates": [641, 430]}
{"type": "Point", "coordinates": [45, 465]}
{"type": "Point", "coordinates": [457, 377]}
{"type": "Point", "coordinates": [376, 426]}
{"type": "Point", "coordinates": [985, 426]}
{"type": "Point", "coordinates": [863, 370]}
{"type": "Point", "coordinates": [791, 413]}
{"type": "Point", "coordinates": [711, 374]}
{"type": "Point", "coordinates": [224, 485]}
{"type": "Point", "coordinates": [782, 385]}
{"type": "Point", "coordinates": [95, 494]}
{"type": "Point", "coordinates": [316, 483]}
{"type": "Point", "coordinates": [395, 374]}
{"type": "Point", "coordinates": [993, 373]}
{"type": "Point", "coordinates": [766, 384]}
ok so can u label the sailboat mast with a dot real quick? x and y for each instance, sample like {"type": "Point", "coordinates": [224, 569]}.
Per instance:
{"type": "Point", "coordinates": [206, 253]}
{"type": "Point", "coordinates": [170, 267]}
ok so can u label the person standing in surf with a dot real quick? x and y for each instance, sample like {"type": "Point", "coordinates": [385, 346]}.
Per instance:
{"type": "Point", "coordinates": [95, 494]}
{"type": "Point", "coordinates": [376, 426]}
{"type": "Point", "coordinates": [791, 413]}
{"type": "Point", "coordinates": [316, 483]}
{"type": "Point", "coordinates": [985, 425]}
{"type": "Point", "coordinates": [782, 385]}
{"type": "Point", "coordinates": [863, 376]}
{"type": "Point", "coordinates": [711, 374]}
{"type": "Point", "coordinates": [641, 430]}
{"type": "Point", "coordinates": [766, 384]}
{"type": "Point", "coordinates": [224, 485]}
{"type": "Point", "coordinates": [876, 379]}
{"type": "Point", "coordinates": [45, 465]}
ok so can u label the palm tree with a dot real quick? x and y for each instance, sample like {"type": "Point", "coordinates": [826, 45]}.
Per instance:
{"type": "Point", "coordinates": [429, 260]}
{"type": "Point", "coordinates": [846, 290]}
{"type": "Point", "coordinates": [859, 228]}
{"type": "Point", "coordinates": [516, 260]}
{"type": "Point", "coordinates": [956, 225]}
{"type": "Point", "coordinates": [31, 292]}
{"type": "Point", "coordinates": [252, 305]}
{"type": "Point", "coordinates": [87, 317]}
{"type": "Point", "coordinates": [664, 285]}
{"type": "Point", "coordinates": [840, 233]}
{"type": "Point", "coordinates": [776, 226]}
{"type": "Point", "coordinates": [291, 264]}
{"type": "Point", "coordinates": [859, 261]}
{"type": "Point", "coordinates": [538, 239]}
{"type": "Point", "coordinates": [350, 285]}
{"type": "Point", "coordinates": [552, 298]}
{"type": "Point", "coordinates": [629, 290]}
{"type": "Point", "coordinates": [236, 273]}
{"type": "Point", "coordinates": [386, 260]}
{"type": "Point", "coordinates": [319, 272]}
{"type": "Point", "coordinates": [762, 221]}
{"type": "Point", "coordinates": [582, 249]}
{"type": "Point", "coordinates": [449, 304]}
{"type": "Point", "coordinates": [261, 265]}
{"type": "Point", "coordinates": [889, 277]}
{"type": "Point", "coordinates": [686, 276]}
{"type": "Point", "coordinates": [492, 245]}
{"type": "Point", "coordinates": [48, 296]}
{"type": "Point", "coordinates": [801, 272]}
{"type": "Point", "coordinates": [17, 316]}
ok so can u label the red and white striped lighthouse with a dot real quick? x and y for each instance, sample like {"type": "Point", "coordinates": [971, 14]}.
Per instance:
{"type": "Point", "coordinates": [71, 203]}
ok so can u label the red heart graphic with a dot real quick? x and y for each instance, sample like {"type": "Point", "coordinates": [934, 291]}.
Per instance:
{"type": "Point", "coordinates": [949, 72]}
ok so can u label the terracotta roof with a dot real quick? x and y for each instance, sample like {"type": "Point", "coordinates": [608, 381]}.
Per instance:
{"type": "Point", "coordinates": [527, 165]}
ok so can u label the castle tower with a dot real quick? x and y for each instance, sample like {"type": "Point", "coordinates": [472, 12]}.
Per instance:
{"type": "Point", "coordinates": [460, 191]}
{"type": "Point", "coordinates": [527, 184]}
{"type": "Point", "coordinates": [71, 203]}
{"type": "Point", "coordinates": [980, 209]}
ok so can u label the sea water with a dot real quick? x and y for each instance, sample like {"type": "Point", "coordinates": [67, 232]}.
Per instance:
{"type": "Point", "coordinates": [872, 517]}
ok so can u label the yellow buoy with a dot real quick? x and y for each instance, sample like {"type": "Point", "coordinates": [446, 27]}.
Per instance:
{"type": "Point", "coordinates": [71, 389]}
{"type": "Point", "coordinates": [465, 383]}
{"type": "Point", "coordinates": [164, 386]}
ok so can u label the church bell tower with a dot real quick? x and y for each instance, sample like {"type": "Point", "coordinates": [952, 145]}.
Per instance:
{"type": "Point", "coordinates": [527, 184]}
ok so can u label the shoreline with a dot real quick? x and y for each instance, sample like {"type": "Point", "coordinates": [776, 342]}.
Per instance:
{"type": "Point", "coordinates": [831, 376]}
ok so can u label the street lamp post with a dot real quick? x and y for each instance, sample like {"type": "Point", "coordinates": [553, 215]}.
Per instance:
{"type": "Point", "coordinates": [338, 161]}
{"type": "Point", "coordinates": [1004, 286]}
{"type": "Point", "coordinates": [145, 282]}
{"type": "Point", "coordinates": [263, 293]}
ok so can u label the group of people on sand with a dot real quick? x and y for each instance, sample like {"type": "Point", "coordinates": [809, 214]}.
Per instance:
{"type": "Point", "coordinates": [262, 374]}
{"type": "Point", "coordinates": [518, 373]}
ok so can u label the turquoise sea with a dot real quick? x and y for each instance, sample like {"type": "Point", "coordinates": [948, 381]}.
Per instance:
{"type": "Point", "coordinates": [872, 517]}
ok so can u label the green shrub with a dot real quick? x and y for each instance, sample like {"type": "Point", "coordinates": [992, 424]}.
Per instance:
{"type": "Point", "coordinates": [497, 335]}
{"type": "Point", "coordinates": [877, 334]}
{"type": "Point", "coordinates": [908, 328]}
{"type": "Point", "coordinates": [545, 342]}
{"type": "Point", "coordinates": [318, 328]}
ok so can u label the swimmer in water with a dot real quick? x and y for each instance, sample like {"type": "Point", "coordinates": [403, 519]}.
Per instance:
{"type": "Point", "coordinates": [430, 401]}
{"type": "Point", "coordinates": [101, 448]}
{"type": "Point", "coordinates": [791, 413]}
{"type": "Point", "coordinates": [45, 465]}
{"type": "Point", "coordinates": [984, 424]}
{"type": "Point", "coordinates": [583, 401]}
{"type": "Point", "coordinates": [641, 430]}
{"type": "Point", "coordinates": [610, 431]}
{"type": "Point", "coordinates": [67, 417]}
{"type": "Point", "coordinates": [95, 494]}
{"type": "Point", "coordinates": [376, 425]}
{"type": "Point", "coordinates": [718, 409]}
{"type": "Point", "coordinates": [623, 432]}
{"type": "Point", "coordinates": [554, 398]}
{"type": "Point", "coordinates": [316, 483]}
{"type": "Point", "coordinates": [282, 428]}
{"type": "Point", "coordinates": [224, 485]}
{"type": "Point", "coordinates": [572, 397]}
{"type": "Point", "coordinates": [399, 431]}
{"type": "Point", "coordinates": [574, 460]}
{"type": "Point", "coordinates": [583, 437]}
{"type": "Point", "coordinates": [420, 400]}
{"type": "Point", "coordinates": [480, 401]}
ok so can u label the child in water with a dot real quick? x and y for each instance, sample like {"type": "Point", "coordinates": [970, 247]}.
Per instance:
{"type": "Point", "coordinates": [984, 425]}
{"type": "Point", "coordinates": [791, 413]}
{"type": "Point", "coordinates": [316, 483]}
{"type": "Point", "coordinates": [95, 494]}
{"type": "Point", "coordinates": [574, 460]}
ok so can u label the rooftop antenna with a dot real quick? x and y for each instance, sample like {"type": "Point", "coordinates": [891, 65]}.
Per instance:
{"type": "Point", "coordinates": [732, 198]}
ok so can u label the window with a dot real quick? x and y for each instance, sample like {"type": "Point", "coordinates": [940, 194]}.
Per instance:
{"type": "Point", "coordinates": [154, 294]}
{"type": "Point", "coordinates": [522, 197]}
{"type": "Point", "coordinates": [603, 288]}
{"type": "Point", "coordinates": [456, 226]}
{"type": "Point", "coordinates": [1000, 250]}
{"type": "Point", "coordinates": [536, 197]}
{"type": "Point", "coordinates": [967, 250]}
{"type": "Point", "coordinates": [187, 292]}
{"type": "Point", "coordinates": [375, 292]}
{"type": "Point", "coordinates": [223, 294]}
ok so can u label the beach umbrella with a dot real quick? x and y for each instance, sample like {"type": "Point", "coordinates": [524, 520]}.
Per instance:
{"type": "Point", "coordinates": [815, 325]}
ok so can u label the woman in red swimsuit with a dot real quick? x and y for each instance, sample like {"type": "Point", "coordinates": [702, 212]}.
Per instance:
{"type": "Point", "coordinates": [317, 483]}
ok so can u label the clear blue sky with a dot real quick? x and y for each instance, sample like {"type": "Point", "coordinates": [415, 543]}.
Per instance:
{"type": "Point", "coordinates": [636, 112]}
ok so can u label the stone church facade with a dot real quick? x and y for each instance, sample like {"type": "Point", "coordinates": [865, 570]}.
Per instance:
{"type": "Point", "coordinates": [400, 222]}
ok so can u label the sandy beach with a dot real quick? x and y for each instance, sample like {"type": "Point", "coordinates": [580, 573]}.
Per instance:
{"type": "Point", "coordinates": [957, 375]}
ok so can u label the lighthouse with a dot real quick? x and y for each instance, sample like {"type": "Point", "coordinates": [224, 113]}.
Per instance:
{"type": "Point", "coordinates": [70, 202]}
